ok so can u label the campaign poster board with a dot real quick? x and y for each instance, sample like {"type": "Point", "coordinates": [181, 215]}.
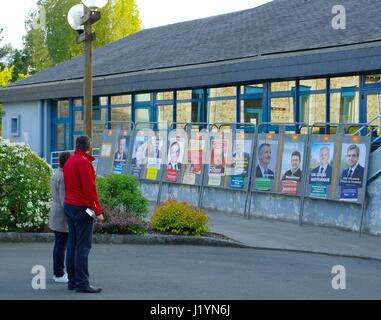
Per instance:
{"type": "Point", "coordinates": [353, 169]}
{"type": "Point", "coordinates": [155, 146]}
{"type": "Point", "coordinates": [139, 154]}
{"type": "Point", "coordinates": [217, 161]}
{"type": "Point", "coordinates": [322, 166]}
{"type": "Point", "coordinates": [292, 165]}
{"type": "Point", "coordinates": [176, 156]}
{"type": "Point", "coordinates": [106, 156]}
{"type": "Point", "coordinates": [194, 167]}
{"type": "Point", "coordinates": [239, 168]}
{"type": "Point", "coordinates": [121, 153]}
{"type": "Point", "coordinates": [266, 163]}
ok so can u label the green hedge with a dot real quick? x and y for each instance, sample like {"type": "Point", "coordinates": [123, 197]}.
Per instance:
{"type": "Point", "coordinates": [122, 191]}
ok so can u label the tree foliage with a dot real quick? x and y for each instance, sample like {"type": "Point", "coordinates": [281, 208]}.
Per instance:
{"type": "Point", "coordinates": [56, 42]}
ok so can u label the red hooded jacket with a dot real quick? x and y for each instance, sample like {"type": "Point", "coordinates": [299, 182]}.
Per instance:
{"type": "Point", "coordinates": [80, 187]}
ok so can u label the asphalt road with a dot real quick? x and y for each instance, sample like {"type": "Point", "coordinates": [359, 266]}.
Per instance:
{"type": "Point", "coordinates": [191, 273]}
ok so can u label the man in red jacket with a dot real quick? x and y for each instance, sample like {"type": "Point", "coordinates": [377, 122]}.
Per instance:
{"type": "Point", "coordinates": [81, 195]}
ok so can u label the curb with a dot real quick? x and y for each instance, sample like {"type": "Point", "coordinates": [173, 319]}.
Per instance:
{"type": "Point", "coordinates": [13, 237]}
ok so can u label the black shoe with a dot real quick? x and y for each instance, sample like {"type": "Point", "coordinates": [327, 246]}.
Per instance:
{"type": "Point", "coordinates": [89, 289]}
{"type": "Point", "coordinates": [71, 288]}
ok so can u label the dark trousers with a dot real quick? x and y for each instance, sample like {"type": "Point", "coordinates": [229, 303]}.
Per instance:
{"type": "Point", "coordinates": [60, 242]}
{"type": "Point", "coordinates": [79, 245]}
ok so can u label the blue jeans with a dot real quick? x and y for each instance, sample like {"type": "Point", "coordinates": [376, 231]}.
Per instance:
{"type": "Point", "coordinates": [60, 242]}
{"type": "Point", "coordinates": [79, 245]}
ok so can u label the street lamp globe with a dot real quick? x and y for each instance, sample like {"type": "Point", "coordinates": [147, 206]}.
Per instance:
{"type": "Point", "coordinates": [74, 17]}
{"type": "Point", "coordinates": [95, 4]}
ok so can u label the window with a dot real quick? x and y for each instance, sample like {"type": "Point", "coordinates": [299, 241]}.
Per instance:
{"type": "Point", "coordinates": [222, 105]}
{"type": "Point", "coordinates": [313, 108]}
{"type": "Point", "coordinates": [190, 106]}
{"type": "Point", "coordinates": [282, 110]}
{"type": "Point", "coordinates": [222, 111]}
{"type": "Point", "coordinates": [15, 126]}
{"type": "Point", "coordinates": [63, 109]}
{"type": "Point", "coordinates": [79, 121]}
{"type": "Point", "coordinates": [345, 82]}
{"type": "Point", "coordinates": [78, 102]}
{"type": "Point", "coordinates": [252, 104]}
{"type": "Point", "coordinates": [314, 84]}
{"type": "Point", "coordinates": [282, 86]}
{"type": "Point", "coordinates": [345, 107]}
{"type": "Point", "coordinates": [100, 117]}
{"type": "Point", "coordinates": [145, 97]}
{"type": "Point", "coordinates": [165, 114]}
{"type": "Point", "coordinates": [121, 114]}
{"type": "Point", "coordinates": [373, 79]}
{"type": "Point", "coordinates": [121, 100]}
{"type": "Point", "coordinates": [164, 95]}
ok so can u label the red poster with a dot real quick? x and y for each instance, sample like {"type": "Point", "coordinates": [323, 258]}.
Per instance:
{"type": "Point", "coordinates": [290, 187]}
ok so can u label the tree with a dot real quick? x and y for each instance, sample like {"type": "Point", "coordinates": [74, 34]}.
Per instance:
{"type": "Point", "coordinates": [56, 43]}
{"type": "Point", "coordinates": [5, 71]}
{"type": "Point", "coordinates": [5, 51]}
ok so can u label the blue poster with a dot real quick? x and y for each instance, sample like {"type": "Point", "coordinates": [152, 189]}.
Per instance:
{"type": "Point", "coordinates": [349, 192]}
{"type": "Point", "coordinates": [237, 182]}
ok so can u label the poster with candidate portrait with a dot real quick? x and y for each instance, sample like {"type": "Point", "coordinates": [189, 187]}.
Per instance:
{"type": "Point", "coordinates": [139, 155]}
{"type": "Point", "coordinates": [239, 167]}
{"type": "Point", "coordinates": [155, 147]}
{"type": "Point", "coordinates": [217, 161]}
{"type": "Point", "coordinates": [176, 154]}
{"type": "Point", "coordinates": [321, 167]}
{"type": "Point", "coordinates": [193, 167]}
{"type": "Point", "coordinates": [352, 171]}
{"type": "Point", "coordinates": [121, 154]}
{"type": "Point", "coordinates": [292, 167]}
{"type": "Point", "coordinates": [265, 171]}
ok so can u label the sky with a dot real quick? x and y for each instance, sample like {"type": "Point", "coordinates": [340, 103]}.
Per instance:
{"type": "Point", "coordinates": [153, 13]}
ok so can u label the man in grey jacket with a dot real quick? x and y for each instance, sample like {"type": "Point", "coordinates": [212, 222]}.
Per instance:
{"type": "Point", "coordinates": [58, 221]}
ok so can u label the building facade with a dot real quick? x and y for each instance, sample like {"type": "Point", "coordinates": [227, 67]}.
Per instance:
{"type": "Point", "coordinates": [280, 62]}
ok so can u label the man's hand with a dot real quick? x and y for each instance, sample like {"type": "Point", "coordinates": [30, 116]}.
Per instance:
{"type": "Point", "coordinates": [100, 218]}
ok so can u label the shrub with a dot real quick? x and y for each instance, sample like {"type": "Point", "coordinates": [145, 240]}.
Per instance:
{"type": "Point", "coordinates": [179, 218]}
{"type": "Point", "coordinates": [24, 189]}
{"type": "Point", "coordinates": [122, 191]}
{"type": "Point", "coordinates": [119, 222]}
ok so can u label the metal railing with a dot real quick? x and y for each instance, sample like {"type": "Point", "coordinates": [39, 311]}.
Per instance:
{"type": "Point", "coordinates": [55, 155]}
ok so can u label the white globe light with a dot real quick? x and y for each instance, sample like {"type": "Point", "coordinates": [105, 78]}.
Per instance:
{"type": "Point", "coordinates": [74, 17]}
{"type": "Point", "coordinates": [95, 4]}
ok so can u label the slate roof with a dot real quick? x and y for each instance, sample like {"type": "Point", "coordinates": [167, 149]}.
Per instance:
{"type": "Point", "coordinates": [273, 29]}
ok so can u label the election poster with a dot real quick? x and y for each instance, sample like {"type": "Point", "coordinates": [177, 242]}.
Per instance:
{"type": "Point", "coordinates": [176, 152]}
{"type": "Point", "coordinates": [292, 167]}
{"type": "Point", "coordinates": [352, 171]}
{"type": "Point", "coordinates": [120, 157]}
{"type": "Point", "coordinates": [321, 168]}
{"type": "Point", "coordinates": [139, 155]}
{"type": "Point", "coordinates": [266, 164]}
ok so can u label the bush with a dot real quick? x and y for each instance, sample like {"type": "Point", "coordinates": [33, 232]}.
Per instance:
{"type": "Point", "coordinates": [179, 218]}
{"type": "Point", "coordinates": [119, 222]}
{"type": "Point", "coordinates": [122, 191]}
{"type": "Point", "coordinates": [24, 189]}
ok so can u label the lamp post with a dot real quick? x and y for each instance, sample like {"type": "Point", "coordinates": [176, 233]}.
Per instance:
{"type": "Point", "coordinates": [81, 17]}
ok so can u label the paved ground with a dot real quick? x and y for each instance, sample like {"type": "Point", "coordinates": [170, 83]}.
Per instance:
{"type": "Point", "coordinates": [274, 234]}
{"type": "Point", "coordinates": [181, 272]}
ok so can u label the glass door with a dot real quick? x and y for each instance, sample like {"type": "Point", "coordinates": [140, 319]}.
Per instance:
{"type": "Point", "coordinates": [373, 110]}
{"type": "Point", "coordinates": [60, 125]}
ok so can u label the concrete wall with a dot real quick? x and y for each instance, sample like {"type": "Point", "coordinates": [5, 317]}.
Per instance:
{"type": "Point", "coordinates": [318, 212]}
{"type": "Point", "coordinates": [34, 120]}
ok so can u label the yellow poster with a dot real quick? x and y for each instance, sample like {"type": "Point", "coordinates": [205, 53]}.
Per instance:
{"type": "Point", "coordinates": [152, 173]}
